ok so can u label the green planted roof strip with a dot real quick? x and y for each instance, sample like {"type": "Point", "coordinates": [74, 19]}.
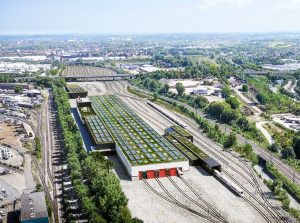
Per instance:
{"type": "Point", "coordinates": [75, 89]}
{"type": "Point", "coordinates": [138, 141]}
{"type": "Point", "coordinates": [181, 131]}
{"type": "Point", "coordinates": [182, 148]}
{"type": "Point", "coordinates": [188, 144]}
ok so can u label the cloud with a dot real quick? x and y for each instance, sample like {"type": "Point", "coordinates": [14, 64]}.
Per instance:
{"type": "Point", "coordinates": [287, 5]}
{"type": "Point", "coordinates": [227, 4]}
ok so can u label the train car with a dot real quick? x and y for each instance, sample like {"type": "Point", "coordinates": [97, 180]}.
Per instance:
{"type": "Point", "coordinates": [229, 183]}
{"type": "Point", "coordinates": [179, 172]}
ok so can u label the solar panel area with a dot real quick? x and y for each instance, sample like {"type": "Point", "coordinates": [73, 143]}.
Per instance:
{"type": "Point", "coordinates": [98, 130]}
{"type": "Point", "coordinates": [138, 141]}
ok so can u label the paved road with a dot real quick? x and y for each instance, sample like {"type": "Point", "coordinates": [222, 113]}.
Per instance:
{"type": "Point", "coordinates": [268, 136]}
{"type": "Point", "coordinates": [265, 154]}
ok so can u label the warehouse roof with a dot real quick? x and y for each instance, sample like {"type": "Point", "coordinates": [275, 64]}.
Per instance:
{"type": "Point", "coordinates": [75, 88]}
{"type": "Point", "coordinates": [181, 131]}
{"type": "Point", "coordinates": [138, 141]}
{"type": "Point", "coordinates": [98, 130]}
{"type": "Point", "coordinates": [33, 206]}
{"type": "Point", "coordinates": [211, 162]}
{"type": "Point", "coordinates": [189, 144]}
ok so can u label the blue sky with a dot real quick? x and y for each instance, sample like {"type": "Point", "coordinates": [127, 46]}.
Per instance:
{"type": "Point", "coordinates": [148, 16]}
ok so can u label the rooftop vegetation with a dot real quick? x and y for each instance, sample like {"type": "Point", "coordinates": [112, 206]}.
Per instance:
{"type": "Point", "coordinates": [181, 131]}
{"type": "Point", "coordinates": [188, 144]}
{"type": "Point", "coordinates": [75, 88]}
{"type": "Point", "coordinates": [182, 148]}
{"type": "Point", "coordinates": [138, 141]}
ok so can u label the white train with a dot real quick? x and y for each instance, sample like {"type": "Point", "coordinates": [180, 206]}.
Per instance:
{"type": "Point", "coordinates": [179, 172]}
{"type": "Point", "coordinates": [229, 183]}
{"type": "Point", "coordinates": [183, 125]}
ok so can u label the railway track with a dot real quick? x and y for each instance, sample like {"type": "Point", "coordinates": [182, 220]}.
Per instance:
{"type": "Point", "coordinates": [46, 189]}
{"type": "Point", "coordinates": [208, 207]}
{"type": "Point", "coordinates": [248, 175]}
{"type": "Point", "coordinates": [253, 182]}
{"type": "Point", "coordinates": [266, 217]}
{"type": "Point", "coordinates": [170, 198]}
{"type": "Point", "coordinates": [268, 156]}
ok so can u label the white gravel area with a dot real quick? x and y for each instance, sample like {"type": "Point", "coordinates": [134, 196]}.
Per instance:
{"type": "Point", "coordinates": [234, 207]}
{"type": "Point", "coordinates": [149, 207]}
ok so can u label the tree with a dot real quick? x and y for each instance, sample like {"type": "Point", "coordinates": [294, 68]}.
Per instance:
{"type": "Point", "coordinates": [18, 89]}
{"type": "Point", "coordinates": [296, 146]}
{"type": "Point", "coordinates": [248, 149]}
{"type": "Point", "coordinates": [245, 88]}
{"type": "Point", "coordinates": [228, 115]}
{"type": "Point", "coordinates": [262, 98]}
{"type": "Point", "coordinates": [200, 102]}
{"type": "Point", "coordinates": [166, 87]}
{"type": "Point", "coordinates": [180, 88]}
{"type": "Point", "coordinates": [288, 153]}
{"type": "Point", "coordinates": [154, 85]}
{"type": "Point", "coordinates": [230, 141]}
{"type": "Point", "coordinates": [233, 102]}
{"type": "Point", "coordinates": [226, 92]}
{"type": "Point", "coordinates": [275, 147]}
{"type": "Point", "coordinates": [155, 96]}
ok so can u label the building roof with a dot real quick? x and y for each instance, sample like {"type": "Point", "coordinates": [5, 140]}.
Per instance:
{"type": "Point", "coordinates": [212, 162]}
{"type": "Point", "coordinates": [181, 131]}
{"type": "Point", "coordinates": [138, 141]}
{"type": "Point", "coordinates": [187, 143]}
{"type": "Point", "coordinates": [33, 206]}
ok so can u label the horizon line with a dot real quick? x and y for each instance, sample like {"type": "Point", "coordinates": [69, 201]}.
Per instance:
{"type": "Point", "coordinates": [144, 33]}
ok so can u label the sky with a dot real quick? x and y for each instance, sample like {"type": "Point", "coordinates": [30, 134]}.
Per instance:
{"type": "Point", "coordinates": [148, 16]}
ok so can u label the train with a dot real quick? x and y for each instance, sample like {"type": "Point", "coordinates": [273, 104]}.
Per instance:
{"type": "Point", "coordinates": [179, 172]}
{"type": "Point", "coordinates": [183, 125]}
{"type": "Point", "coordinates": [229, 183]}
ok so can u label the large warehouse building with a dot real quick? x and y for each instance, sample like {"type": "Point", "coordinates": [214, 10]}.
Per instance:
{"type": "Point", "coordinates": [145, 154]}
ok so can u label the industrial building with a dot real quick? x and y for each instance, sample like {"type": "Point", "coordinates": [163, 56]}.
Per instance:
{"type": "Point", "coordinates": [113, 126]}
{"type": "Point", "coordinates": [11, 86]}
{"type": "Point", "coordinates": [33, 208]}
{"type": "Point", "coordinates": [182, 141]}
{"type": "Point", "coordinates": [75, 91]}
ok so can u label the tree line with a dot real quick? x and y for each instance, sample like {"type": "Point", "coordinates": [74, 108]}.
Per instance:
{"type": "Point", "coordinates": [97, 188]}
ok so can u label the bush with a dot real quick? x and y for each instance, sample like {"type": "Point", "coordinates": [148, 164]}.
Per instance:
{"type": "Point", "coordinates": [245, 88]}
{"type": "Point", "coordinates": [38, 148]}
{"type": "Point", "coordinates": [233, 102]}
{"type": "Point", "coordinates": [230, 141]}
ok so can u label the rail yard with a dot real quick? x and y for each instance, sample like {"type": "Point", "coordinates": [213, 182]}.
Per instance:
{"type": "Point", "coordinates": [136, 112]}
{"type": "Point", "coordinates": [167, 166]}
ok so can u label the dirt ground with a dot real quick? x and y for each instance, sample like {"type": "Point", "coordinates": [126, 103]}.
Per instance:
{"type": "Point", "coordinates": [9, 136]}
